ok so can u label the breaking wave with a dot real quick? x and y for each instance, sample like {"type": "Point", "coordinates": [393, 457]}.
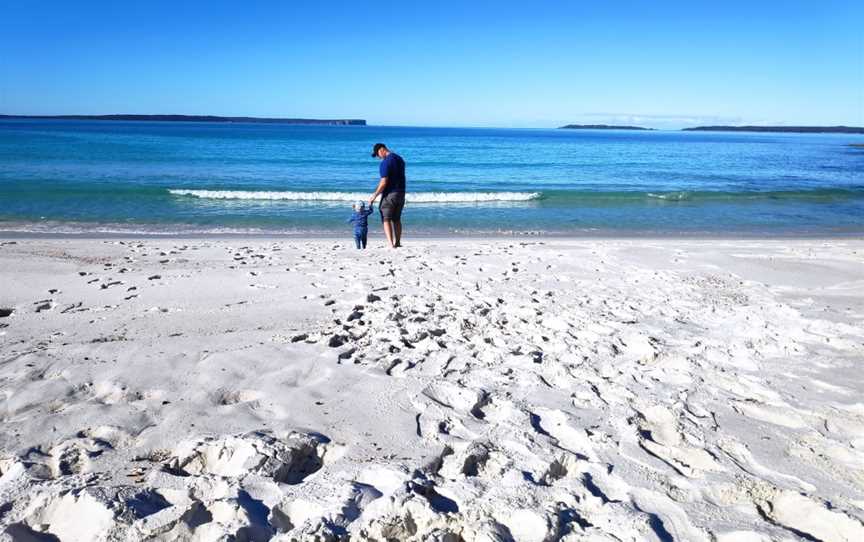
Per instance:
{"type": "Point", "coordinates": [416, 197]}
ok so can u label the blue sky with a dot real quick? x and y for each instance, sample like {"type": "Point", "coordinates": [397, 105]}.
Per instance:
{"type": "Point", "coordinates": [522, 64]}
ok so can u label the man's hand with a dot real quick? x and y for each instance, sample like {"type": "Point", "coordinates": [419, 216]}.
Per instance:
{"type": "Point", "coordinates": [381, 185]}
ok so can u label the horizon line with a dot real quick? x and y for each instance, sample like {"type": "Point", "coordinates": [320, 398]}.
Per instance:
{"type": "Point", "coordinates": [344, 121]}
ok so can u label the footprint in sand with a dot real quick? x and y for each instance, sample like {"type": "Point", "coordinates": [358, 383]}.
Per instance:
{"type": "Point", "coordinates": [557, 424]}
{"type": "Point", "coordinates": [44, 305]}
{"type": "Point", "coordinates": [741, 456]}
{"type": "Point", "coordinates": [457, 397]}
{"type": "Point", "coordinates": [806, 516]}
{"type": "Point", "coordinates": [779, 414]}
{"type": "Point", "coordinates": [69, 457]}
{"type": "Point", "coordinates": [289, 460]}
{"type": "Point", "coordinates": [232, 397]}
{"type": "Point", "coordinates": [659, 436]}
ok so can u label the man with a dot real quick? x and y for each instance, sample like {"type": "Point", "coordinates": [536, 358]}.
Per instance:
{"type": "Point", "coordinates": [392, 192]}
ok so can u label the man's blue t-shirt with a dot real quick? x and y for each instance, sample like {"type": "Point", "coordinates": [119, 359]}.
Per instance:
{"type": "Point", "coordinates": [393, 167]}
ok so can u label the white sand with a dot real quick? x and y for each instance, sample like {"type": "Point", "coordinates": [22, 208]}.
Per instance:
{"type": "Point", "coordinates": [487, 390]}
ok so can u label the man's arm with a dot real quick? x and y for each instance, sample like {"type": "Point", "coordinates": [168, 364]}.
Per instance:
{"type": "Point", "coordinates": [381, 186]}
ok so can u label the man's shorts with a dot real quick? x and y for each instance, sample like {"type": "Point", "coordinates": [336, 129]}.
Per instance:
{"type": "Point", "coordinates": [391, 206]}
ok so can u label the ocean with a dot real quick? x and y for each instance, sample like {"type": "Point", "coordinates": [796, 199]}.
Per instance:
{"type": "Point", "coordinates": [190, 178]}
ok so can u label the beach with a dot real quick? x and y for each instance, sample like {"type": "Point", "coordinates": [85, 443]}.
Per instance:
{"type": "Point", "coordinates": [471, 389]}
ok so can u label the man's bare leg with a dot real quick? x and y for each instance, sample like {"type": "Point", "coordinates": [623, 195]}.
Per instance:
{"type": "Point", "coordinates": [397, 227]}
{"type": "Point", "coordinates": [388, 232]}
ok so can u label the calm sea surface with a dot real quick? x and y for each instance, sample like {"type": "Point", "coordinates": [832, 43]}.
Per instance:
{"type": "Point", "coordinates": [73, 176]}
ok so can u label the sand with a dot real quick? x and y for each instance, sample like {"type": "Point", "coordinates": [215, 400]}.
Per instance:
{"type": "Point", "coordinates": [530, 390]}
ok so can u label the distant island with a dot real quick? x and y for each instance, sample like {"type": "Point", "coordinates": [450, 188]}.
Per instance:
{"type": "Point", "coordinates": [792, 129]}
{"type": "Point", "coordinates": [601, 127]}
{"type": "Point", "coordinates": [194, 118]}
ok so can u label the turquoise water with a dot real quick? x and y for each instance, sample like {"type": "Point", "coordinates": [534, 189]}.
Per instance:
{"type": "Point", "coordinates": [74, 176]}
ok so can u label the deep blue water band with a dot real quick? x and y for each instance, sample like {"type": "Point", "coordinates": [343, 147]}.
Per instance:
{"type": "Point", "coordinates": [303, 178]}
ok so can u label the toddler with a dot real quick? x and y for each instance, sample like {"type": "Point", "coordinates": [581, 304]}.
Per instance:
{"type": "Point", "coordinates": [360, 219]}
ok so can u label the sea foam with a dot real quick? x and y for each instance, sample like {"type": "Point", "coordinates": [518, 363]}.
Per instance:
{"type": "Point", "coordinates": [415, 197]}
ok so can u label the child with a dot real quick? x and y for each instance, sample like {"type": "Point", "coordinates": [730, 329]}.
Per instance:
{"type": "Point", "coordinates": [360, 219]}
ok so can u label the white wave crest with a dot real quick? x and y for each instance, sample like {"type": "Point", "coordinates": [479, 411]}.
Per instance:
{"type": "Point", "coordinates": [416, 197]}
{"type": "Point", "coordinates": [672, 196]}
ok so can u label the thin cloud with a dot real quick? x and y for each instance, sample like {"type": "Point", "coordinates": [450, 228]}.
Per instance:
{"type": "Point", "coordinates": [653, 120]}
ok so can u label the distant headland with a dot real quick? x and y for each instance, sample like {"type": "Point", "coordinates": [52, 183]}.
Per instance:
{"type": "Point", "coordinates": [194, 118]}
{"type": "Point", "coordinates": [792, 129]}
{"type": "Point", "coordinates": [601, 127]}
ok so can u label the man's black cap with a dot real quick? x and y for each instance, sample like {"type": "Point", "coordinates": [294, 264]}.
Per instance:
{"type": "Point", "coordinates": [376, 148]}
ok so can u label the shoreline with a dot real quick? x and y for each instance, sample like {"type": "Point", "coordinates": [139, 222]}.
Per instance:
{"type": "Point", "coordinates": [375, 233]}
